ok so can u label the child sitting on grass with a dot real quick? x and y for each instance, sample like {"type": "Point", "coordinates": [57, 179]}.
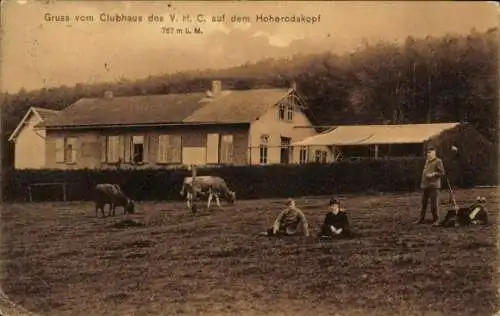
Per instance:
{"type": "Point", "coordinates": [336, 223]}
{"type": "Point", "coordinates": [290, 222]}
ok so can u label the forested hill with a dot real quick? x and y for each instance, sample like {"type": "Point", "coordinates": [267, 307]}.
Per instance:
{"type": "Point", "coordinates": [433, 79]}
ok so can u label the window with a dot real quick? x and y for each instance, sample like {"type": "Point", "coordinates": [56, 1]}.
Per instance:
{"type": "Point", "coordinates": [66, 150]}
{"type": "Point", "coordinates": [70, 150]}
{"type": "Point", "coordinates": [169, 149]}
{"type": "Point", "coordinates": [320, 156]}
{"type": "Point", "coordinates": [289, 110]}
{"type": "Point", "coordinates": [264, 143]}
{"type": "Point", "coordinates": [60, 149]}
{"type": "Point", "coordinates": [112, 148]}
{"type": "Point", "coordinates": [286, 109]}
{"type": "Point", "coordinates": [226, 149]}
{"type": "Point", "coordinates": [285, 151]}
{"type": "Point", "coordinates": [138, 149]}
{"type": "Point", "coordinates": [281, 112]}
{"type": "Point", "coordinates": [303, 154]}
{"type": "Point", "coordinates": [317, 155]}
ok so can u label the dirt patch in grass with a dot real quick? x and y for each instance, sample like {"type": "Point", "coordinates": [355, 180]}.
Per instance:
{"type": "Point", "coordinates": [126, 223]}
{"type": "Point", "coordinates": [58, 259]}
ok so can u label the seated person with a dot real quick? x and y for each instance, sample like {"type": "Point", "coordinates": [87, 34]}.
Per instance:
{"type": "Point", "coordinates": [290, 222]}
{"type": "Point", "coordinates": [464, 216]}
{"type": "Point", "coordinates": [336, 223]}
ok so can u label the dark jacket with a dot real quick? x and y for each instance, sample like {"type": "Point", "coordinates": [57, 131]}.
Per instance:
{"type": "Point", "coordinates": [338, 220]}
{"type": "Point", "coordinates": [435, 167]}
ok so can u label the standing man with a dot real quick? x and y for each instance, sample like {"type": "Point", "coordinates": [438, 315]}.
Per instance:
{"type": "Point", "coordinates": [290, 222]}
{"type": "Point", "coordinates": [431, 184]}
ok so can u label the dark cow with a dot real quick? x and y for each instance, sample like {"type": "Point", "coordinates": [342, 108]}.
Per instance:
{"type": "Point", "coordinates": [113, 195]}
{"type": "Point", "coordinates": [207, 185]}
{"type": "Point", "coordinates": [465, 216]}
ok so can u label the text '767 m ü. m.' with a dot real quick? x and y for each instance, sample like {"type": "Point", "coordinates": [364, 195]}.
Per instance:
{"type": "Point", "coordinates": [181, 30]}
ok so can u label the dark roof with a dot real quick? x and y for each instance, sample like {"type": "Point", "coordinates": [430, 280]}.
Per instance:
{"type": "Point", "coordinates": [231, 107]}
{"type": "Point", "coordinates": [46, 113]}
{"type": "Point", "coordinates": [237, 106]}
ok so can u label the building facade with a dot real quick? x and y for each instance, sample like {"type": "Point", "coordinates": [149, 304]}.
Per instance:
{"type": "Point", "coordinates": [29, 142]}
{"type": "Point", "coordinates": [166, 131]}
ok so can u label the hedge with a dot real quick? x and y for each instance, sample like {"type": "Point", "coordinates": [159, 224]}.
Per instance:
{"type": "Point", "coordinates": [249, 182]}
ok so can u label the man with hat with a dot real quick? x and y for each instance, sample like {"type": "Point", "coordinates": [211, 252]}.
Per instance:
{"type": "Point", "coordinates": [290, 222]}
{"type": "Point", "coordinates": [336, 223]}
{"type": "Point", "coordinates": [431, 184]}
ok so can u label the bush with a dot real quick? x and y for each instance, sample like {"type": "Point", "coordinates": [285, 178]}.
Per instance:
{"type": "Point", "coordinates": [248, 181]}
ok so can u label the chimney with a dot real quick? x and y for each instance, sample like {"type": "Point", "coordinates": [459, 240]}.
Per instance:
{"type": "Point", "coordinates": [216, 87]}
{"type": "Point", "coordinates": [108, 94]}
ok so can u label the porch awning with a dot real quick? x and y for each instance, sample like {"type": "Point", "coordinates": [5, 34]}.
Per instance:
{"type": "Point", "coordinates": [376, 135]}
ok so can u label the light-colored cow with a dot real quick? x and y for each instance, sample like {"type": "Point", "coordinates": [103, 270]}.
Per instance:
{"type": "Point", "coordinates": [113, 195]}
{"type": "Point", "coordinates": [207, 185]}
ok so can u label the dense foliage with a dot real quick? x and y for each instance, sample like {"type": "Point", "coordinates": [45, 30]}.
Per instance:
{"type": "Point", "coordinates": [248, 181]}
{"type": "Point", "coordinates": [450, 78]}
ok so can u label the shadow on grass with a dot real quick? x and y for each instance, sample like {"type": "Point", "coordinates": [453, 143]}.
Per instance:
{"type": "Point", "coordinates": [126, 223]}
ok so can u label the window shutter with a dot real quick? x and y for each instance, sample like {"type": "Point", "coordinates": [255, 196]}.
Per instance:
{"type": "Point", "coordinates": [115, 145]}
{"type": "Point", "coordinates": [121, 148]}
{"type": "Point", "coordinates": [160, 153]}
{"type": "Point", "coordinates": [226, 149]}
{"type": "Point", "coordinates": [147, 148]}
{"type": "Point", "coordinates": [127, 148]}
{"type": "Point", "coordinates": [102, 141]}
{"type": "Point", "coordinates": [230, 150]}
{"type": "Point", "coordinates": [60, 149]}
{"type": "Point", "coordinates": [153, 147]}
{"type": "Point", "coordinates": [170, 148]}
{"type": "Point", "coordinates": [74, 148]}
{"type": "Point", "coordinates": [230, 154]}
{"type": "Point", "coordinates": [213, 148]}
{"type": "Point", "coordinates": [175, 142]}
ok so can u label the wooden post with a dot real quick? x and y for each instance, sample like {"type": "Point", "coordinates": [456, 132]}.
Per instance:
{"type": "Point", "coordinates": [29, 193]}
{"type": "Point", "coordinates": [376, 151]}
{"type": "Point", "coordinates": [193, 188]}
{"type": "Point", "coordinates": [64, 192]}
{"type": "Point", "coordinates": [193, 177]}
{"type": "Point", "coordinates": [193, 171]}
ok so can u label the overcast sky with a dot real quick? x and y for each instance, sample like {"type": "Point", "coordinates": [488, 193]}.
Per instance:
{"type": "Point", "coordinates": [36, 53]}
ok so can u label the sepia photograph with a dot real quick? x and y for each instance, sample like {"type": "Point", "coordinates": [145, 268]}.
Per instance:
{"type": "Point", "coordinates": [269, 158]}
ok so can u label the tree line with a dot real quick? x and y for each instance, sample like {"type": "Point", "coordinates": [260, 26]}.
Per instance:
{"type": "Point", "coordinates": [425, 80]}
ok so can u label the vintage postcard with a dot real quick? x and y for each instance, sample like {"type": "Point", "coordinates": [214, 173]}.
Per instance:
{"type": "Point", "coordinates": [249, 158]}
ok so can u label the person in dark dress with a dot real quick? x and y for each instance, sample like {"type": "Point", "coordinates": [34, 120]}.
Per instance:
{"type": "Point", "coordinates": [474, 214]}
{"type": "Point", "coordinates": [336, 223]}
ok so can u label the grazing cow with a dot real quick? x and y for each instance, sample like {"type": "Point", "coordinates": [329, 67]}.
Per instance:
{"type": "Point", "coordinates": [113, 195]}
{"type": "Point", "coordinates": [207, 185]}
{"type": "Point", "coordinates": [470, 215]}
